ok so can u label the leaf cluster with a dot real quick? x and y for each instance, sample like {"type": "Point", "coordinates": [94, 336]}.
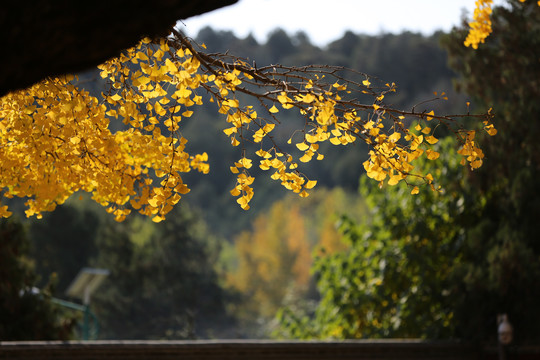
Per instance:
{"type": "Point", "coordinates": [57, 137]}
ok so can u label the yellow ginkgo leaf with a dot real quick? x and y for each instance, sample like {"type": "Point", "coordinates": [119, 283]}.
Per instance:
{"type": "Point", "coordinates": [302, 146]}
{"type": "Point", "coordinates": [335, 141]}
{"type": "Point", "coordinates": [231, 103]}
{"type": "Point", "coordinates": [394, 179]}
{"type": "Point", "coordinates": [310, 184]}
{"type": "Point", "coordinates": [308, 98]}
{"type": "Point", "coordinates": [305, 158]}
{"type": "Point", "coordinates": [116, 97]}
{"type": "Point", "coordinates": [432, 139]}
{"type": "Point", "coordinates": [394, 137]}
{"type": "Point", "coordinates": [432, 155]}
{"type": "Point", "coordinates": [141, 55]}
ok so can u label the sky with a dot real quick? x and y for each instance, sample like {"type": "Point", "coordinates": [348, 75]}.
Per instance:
{"type": "Point", "coordinates": [327, 20]}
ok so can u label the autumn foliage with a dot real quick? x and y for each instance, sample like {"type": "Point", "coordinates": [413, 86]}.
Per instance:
{"type": "Point", "coordinates": [56, 139]}
{"type": "Point", "coordinates": [481, 26]}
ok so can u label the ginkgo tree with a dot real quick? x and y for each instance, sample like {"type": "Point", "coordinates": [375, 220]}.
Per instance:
{"type": "Point", "coordinates": [481, 26]}
{"type": "Point", "coordinates": [55, 138]}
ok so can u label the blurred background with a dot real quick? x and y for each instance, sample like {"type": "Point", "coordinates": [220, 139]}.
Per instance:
{"type": "Point", "coordinates": [350, 261]}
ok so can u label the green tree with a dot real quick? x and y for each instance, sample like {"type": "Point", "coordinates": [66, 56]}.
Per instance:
{"type": "Point", "coordinates": [63, 241]}
{"type": "Point", "coordinates": [445, 264]}
{"type": "Point", "coordinates": [279, 45]}
{"type": "Point", "coordinates": [163, 282]}
{"type": "Point", "coordinates": [26, 312]}
{"type": "Point", "coordinates": [501, 261]}
{"type": "Point", "coordinates": [395, 277]}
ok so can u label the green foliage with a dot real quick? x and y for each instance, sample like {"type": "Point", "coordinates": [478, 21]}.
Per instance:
{"type": "Point", "coordinates": [26, 312]}
{"type": "Point", "coordinates": [162, 285]}
{"type": "Point", "coordinates": [501, 266]}
{"type": "Point", "coordinates": [63, 242]}
{"type": "Point", "coordinates": [443, 265]}
{"type": "Point", "coordinates": [395, 280]}
{"type": "Point", "coordinates": [163, 281]}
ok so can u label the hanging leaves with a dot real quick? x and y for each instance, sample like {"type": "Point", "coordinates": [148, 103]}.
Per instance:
{"type": "Point", "coordinates": [55, 138]}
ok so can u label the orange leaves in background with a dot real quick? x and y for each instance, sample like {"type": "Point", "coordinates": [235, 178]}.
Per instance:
{"type": "Point", "coordinates": [273, 258]}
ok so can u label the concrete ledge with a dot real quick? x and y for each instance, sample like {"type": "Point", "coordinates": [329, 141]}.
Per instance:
{"type": "Point", "coordinates": [238, 350]}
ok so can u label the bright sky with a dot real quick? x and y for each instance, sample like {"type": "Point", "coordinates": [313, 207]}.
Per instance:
{"type": "Point", "coordinates": [327, 20]}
